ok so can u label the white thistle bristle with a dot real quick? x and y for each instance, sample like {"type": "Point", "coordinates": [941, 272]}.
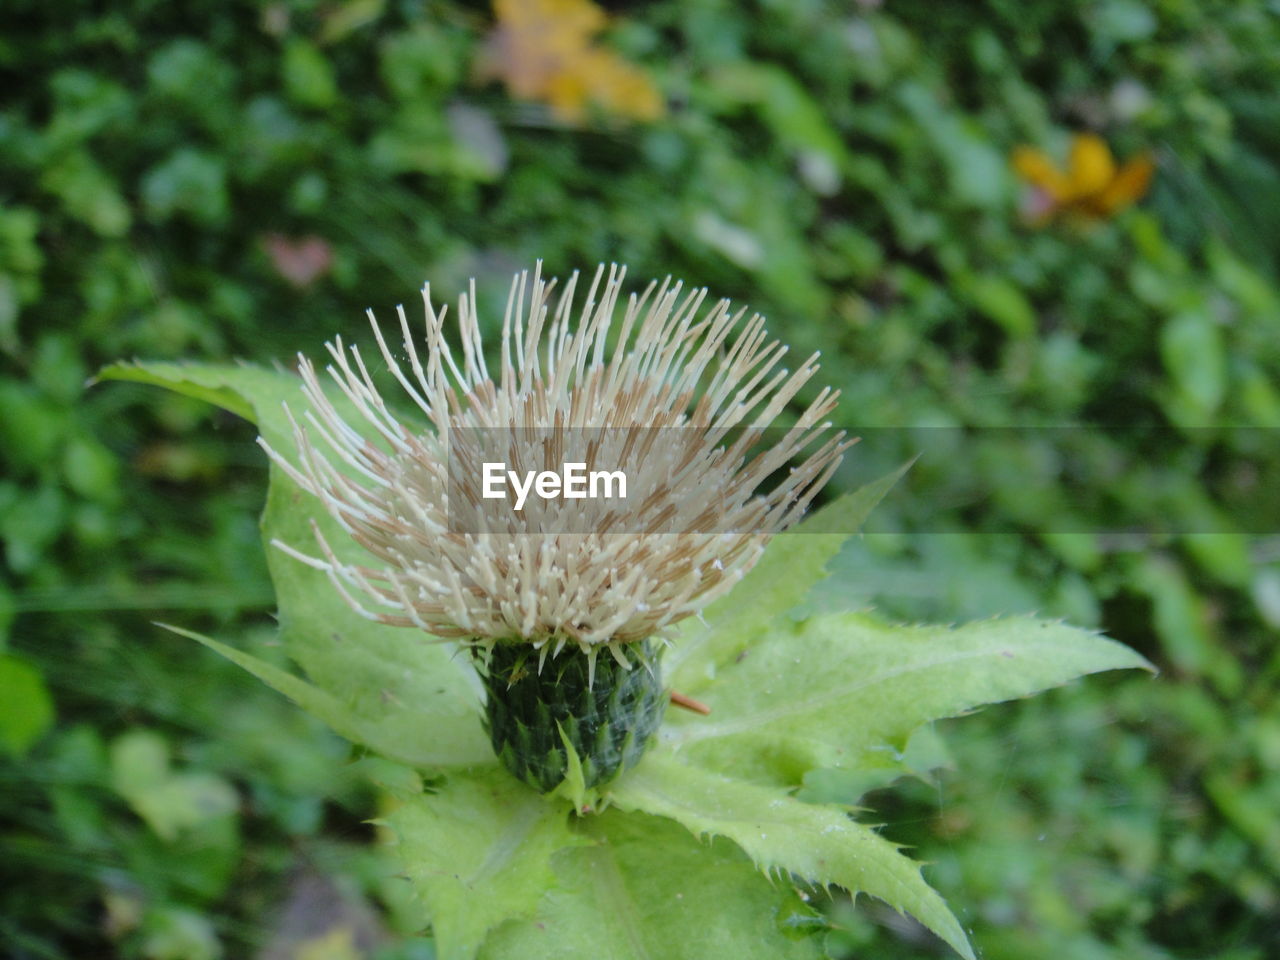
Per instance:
{"type": "Point", "coordinates": [664, 404]}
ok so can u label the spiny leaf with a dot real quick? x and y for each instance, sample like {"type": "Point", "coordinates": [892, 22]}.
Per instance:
{"type": "Point", "coordinates": [822, 692]}
{"type": "Point", "coordinates": [421, 751]}
{"type": "Point", "coordinates": [415, 691]}
{"type": "Point", "coordinates": [574, 785]}
{"type": "Point", "coordinates": [924, 754]}
{"type": "Point", "coordinates": [645, 889]}
{"type": "Point", "coordinates": [407, 698]}
{"type": "Point", "coordinates": [479, 851]}
{"type": "Point", "coordinates": [820, 844]}
{"type": "Point", "coordinates": [791, 565]}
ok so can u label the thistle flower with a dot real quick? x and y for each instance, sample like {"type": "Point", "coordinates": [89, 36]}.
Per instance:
{"type": "Point", "coordinates": [680, 405]}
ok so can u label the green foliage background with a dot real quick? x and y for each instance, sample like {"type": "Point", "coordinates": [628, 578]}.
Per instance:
{"type": "Point", "coordinates": [841, 167]}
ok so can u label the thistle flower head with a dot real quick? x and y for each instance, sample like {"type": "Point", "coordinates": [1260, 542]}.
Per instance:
{"type": "Point", "coordinates": [675, 396]}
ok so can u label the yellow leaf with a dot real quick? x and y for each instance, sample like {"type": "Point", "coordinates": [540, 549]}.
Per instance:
{"type": "Point", "coordinates": [1128, 187]}
{"type": "Point", "coordinates": [1035, 167]}
{"type": "Point", "coordinates": [338, 943]}
{"type": "Point", "coordinates": [1090, 164]}
{"type": "Point", "coordinates": [546, 50]}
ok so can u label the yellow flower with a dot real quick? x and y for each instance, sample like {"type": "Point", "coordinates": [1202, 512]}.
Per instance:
{"type": "Point", "coordinates": [545, 50]}
{"type": "Point", "coordinates": [1092, 185]}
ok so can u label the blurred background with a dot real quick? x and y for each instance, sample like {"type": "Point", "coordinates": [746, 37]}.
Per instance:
{"type": "Point", "coordinates": [985, 214]}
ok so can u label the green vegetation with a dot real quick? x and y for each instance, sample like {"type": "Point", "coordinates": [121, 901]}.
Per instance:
{"type": "Point", "coordinates": [228, 181]}
{"type": "Point", "coordinates": [504, 871]}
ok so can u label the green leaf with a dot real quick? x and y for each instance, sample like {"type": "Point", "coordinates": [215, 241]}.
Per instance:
{"type": "Point", "coordinates": [1196, 359]}
{"type": "Point", "coordinates": [204, 382]}
{"type": "Point", "coordinates": [381, 731]}
{"type": "Point", "coordinates": [390, 688]}
{"type": "Point", "coordinates": [479, 851]}
{"type": "Point", "coordinates": [925, 753]}
{"type": "Point", "coordinates": [169, 802]}
{"type": "Point", "coordinates": [791, 565]}
{"type": "Point", "coordinates": [308, 76]}
{"type": "Point", "coordinates": [175, 933]}
{"type": "Point", "coordinates": [342, 20]}
{"type": "Point", "coordinates": [573, 787]}
{"type": "Point", "coordinates": [1184, 625]}
{"type": "Point", "coordinates": [191, 182]}
{"type": "Point", "coordinates": [821, 693]}
{"type": "Point", "coordinates": [88, 193]}
{"type": "Point", "coordinates": [783, 103]}
{"type": "Point", "coordinates": [1120, 21]}
{"type": "Point", "coordinates": [999, 299]}
{"type": "Point", "coordinates": [26, 709]}
{"type": "Point", "coordinates": [647, 890]}
{"type": "Point", "coordinates": [417, 692]}
{"type": "Point", "coordinates": [819, 844]}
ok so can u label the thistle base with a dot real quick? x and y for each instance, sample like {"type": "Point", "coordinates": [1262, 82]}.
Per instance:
{"type": "Point", "coordinates": [608, 722]}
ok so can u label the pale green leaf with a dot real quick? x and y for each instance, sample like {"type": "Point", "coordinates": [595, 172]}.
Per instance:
{"type": "Point", "coordinates": [378, 730]}
{"type": "Point", "coordinates": [822, 692]}
{"type": "Point", "coordinates": [479, 851]}
{"type": "Point", "coordinates": [423, 697]}
{"type": "Point", "coordinates": [1195, 355]}
{"type": "Point", "coordinates": [169, 801]}
{"type": "Point", "coordinates": [925, 753]}
{"type": "Point", "coordinates": [200, 382]}
{"type": "Point", "coordinates": [573, 787]}
{"type": "Point", "coordinates": [648, 890]}
{"type": "Point", "coordinates": [819, 844]}
{"type": "Point", "coordinates": [408, 697]}
{"type": "Point", "coordinates": [792, 564]}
